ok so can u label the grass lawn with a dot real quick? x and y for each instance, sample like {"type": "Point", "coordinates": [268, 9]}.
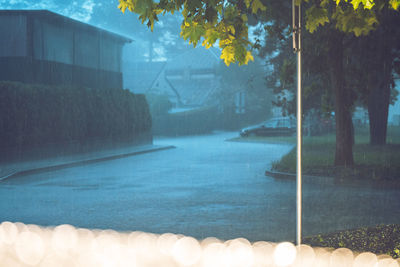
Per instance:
{"type": "Point", "coordinates": [371, 162]}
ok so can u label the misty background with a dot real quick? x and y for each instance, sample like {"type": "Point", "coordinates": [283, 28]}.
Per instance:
{"type": "Point", "coordinates": [182, 84]}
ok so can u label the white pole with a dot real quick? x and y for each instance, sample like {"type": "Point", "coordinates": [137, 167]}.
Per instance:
{"type": "Point", "coordinates": [297, 49]}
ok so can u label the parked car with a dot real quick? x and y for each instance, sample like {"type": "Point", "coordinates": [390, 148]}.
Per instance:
{"type": "Point", "coordinates": [281, 126]}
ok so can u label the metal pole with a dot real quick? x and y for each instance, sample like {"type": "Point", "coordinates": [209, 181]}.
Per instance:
{"type": "Point", "coordinates": [297, 49]}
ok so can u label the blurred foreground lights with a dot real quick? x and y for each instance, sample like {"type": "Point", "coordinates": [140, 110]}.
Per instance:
{"type": "Point", "coordinates": [29, 248]}
{"type": "Point", "coordinates": [187, 251]}
{"type": "Point", "coordinates": [66, 246]}
{"type": "Point", "coordinates": [284, 254]}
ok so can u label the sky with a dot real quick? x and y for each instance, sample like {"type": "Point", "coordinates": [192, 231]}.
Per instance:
{"type": "Point", "coordinates": [81, 10]}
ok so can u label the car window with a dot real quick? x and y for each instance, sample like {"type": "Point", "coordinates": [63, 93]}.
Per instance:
{"type": "Point", "coordinates": [271, 124]}
{"type": "Point", "coordinates": [283, 123]}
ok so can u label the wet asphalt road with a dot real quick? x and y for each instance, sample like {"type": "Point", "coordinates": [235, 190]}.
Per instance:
{"type": "Point", "coordinates": [205, 187]}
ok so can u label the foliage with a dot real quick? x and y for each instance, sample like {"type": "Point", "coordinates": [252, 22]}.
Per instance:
{"type": "Point", "coordinates": [204, 120]}
{"type": "Point", "coordinates": [227, 21]}
{"type": "Point", "coordinates": [381, 239]}
{"type": "Point", "coordinates": [367, 61]}
{"type": "Point", "coordinates": [159, 104]}
{"type": "Point", "coordinates": [186, 123]}
{"type": "Point", "coordinates": [39, 114]}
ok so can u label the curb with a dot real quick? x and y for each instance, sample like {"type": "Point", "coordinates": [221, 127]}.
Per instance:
{"type": "Point", "coordinates": [288, 175]}
{"type": "Point", "coordinates": [284, 175]}
{"type": "Point", "coordinates": [330, 180]}
{"type": "Point", "coordinates": [81, 162]}
{"type": "Point", "coordinates": [292, 176]}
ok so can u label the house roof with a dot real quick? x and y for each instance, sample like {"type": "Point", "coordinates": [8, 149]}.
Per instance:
{"type": "Point", "coordinates": [194, 72]}
{"type": "Point", "coordinates": [55, 18]}
{"type": "Point", "coordinates": [142, 75]}
{"type": "Point", "coordinates": [194, 90]}
{"type": "Point", "coordinates": [196, 58]}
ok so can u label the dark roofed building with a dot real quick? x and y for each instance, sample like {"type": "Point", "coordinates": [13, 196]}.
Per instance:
{"type": "Point", "coordinates": [188, 80]}
{"type": "Point", "coordinates": [39, 46]}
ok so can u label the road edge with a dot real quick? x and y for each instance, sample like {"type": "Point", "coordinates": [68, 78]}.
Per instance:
{"type": "Point", "coordinates": [81, 162]}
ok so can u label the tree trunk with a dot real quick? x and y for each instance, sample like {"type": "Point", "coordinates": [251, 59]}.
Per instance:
{"type": "Point", "coordinates": [378, 108]}
{"type": "Point", "coordinates": [379, 96]}
{"type": "Point", "coordinates": [343, 102]}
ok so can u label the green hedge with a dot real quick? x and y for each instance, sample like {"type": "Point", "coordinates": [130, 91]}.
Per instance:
{"type": "Point", "coordinates": [205, 120]}
{"type": "Point", "coordinates": [38, 114]}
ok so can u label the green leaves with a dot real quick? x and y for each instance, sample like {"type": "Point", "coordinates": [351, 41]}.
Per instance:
{"type": "Point", "coordinates": [315, 17]}
{"type": "Point", "coordinates": [394, 4]}
{"type": "Point", "coordinates": [210, 37]}
{"type": "Point", "coordinates": [146, 9]}
{"type": "Point", "coordinates": [228, 55]}
{"type": "Point", "coordinates": [360, 22]}
{"type": "Point", "coordinates": [256, 6]}
{"type": "Point", "coordinates": [236, 52]}
{"type": "Point", "coordinates": [368, 4]}
{"type": "Point", "coordinates": [192, 31]}
{"type": "Point", "coordinates": [212, 21]}
{"type": "Point", "coordinates": [204, 21]}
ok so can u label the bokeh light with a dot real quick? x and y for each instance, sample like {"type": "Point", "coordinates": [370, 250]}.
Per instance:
{"type": "Point", "coordinates": [29, 248]}
{"type": "Point", "coordinates": [67, 246]}
{"type": "Point", "coordinates": [366, 259]}
{"type": "Point", "coordinates": [187, 251]}
{"type": "Point", "coordinates": [64, 239]}
{"type": "Point", "coordinates": [8, 233]}
{"type": "Point", "coordinates": [284, 254]}
{"type": "Point", "coordinates": [342, 257]}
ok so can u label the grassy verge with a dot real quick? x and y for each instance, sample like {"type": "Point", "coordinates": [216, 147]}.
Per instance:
{"type": "Point", "coordinates": [375, 162]}
{"type": "Point", "coordinates": [382, 239]}
{"type": "Point", "coordinates": [371, 162]}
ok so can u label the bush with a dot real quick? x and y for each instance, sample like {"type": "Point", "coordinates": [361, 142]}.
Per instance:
{"type": "Point", "coordinates": [159, 104]}
{"type": "Point", "coordinates": [39, 114]}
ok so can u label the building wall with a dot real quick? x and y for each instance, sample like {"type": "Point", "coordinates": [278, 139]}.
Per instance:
{"type": "Point", "coordinates": [52, 43]}
{"type": "Point", "coordinates": [13, 39]}
{"type": "Point", "coordinates": [62, 43]}
{"type": "Point", "coordinates": [110, 54]}
{"type": "Point", "coordinates": [36, 49]}
{"type": "Point", "coordinates": [28, 70]}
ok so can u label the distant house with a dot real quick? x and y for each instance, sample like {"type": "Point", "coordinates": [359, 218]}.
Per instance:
{"type": "Point", "coordinates": [140, 77]}
{"type": "Point", "coordinates": [189, 80]}
{"type": "Point", "coordinates": [39, 46]}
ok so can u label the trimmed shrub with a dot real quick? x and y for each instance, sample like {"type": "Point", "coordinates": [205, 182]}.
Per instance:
{"type": "Point", "coordinates": [33, 115]}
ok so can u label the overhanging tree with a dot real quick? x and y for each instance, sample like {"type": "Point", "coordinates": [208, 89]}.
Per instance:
{"type": "Point", "coordinates": [374, 58]}
{"type": "Point", "coordinates": [209, 21]}
{"type": "Point", "coordinates": [368, 66]}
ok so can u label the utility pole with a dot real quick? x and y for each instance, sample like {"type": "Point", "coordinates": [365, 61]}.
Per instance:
{"type": "Point", "coordinates": [296, 22]}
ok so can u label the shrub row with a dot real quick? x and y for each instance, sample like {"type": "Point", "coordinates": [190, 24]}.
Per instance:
{"type": "Point", "coordinates": [204, 120]}
{"type": "Point", "coordinates": [40, 114]}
